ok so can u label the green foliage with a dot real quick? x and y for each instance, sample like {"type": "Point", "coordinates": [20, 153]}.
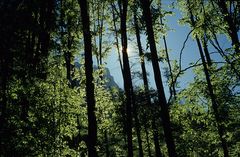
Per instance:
{"type": "Point", "coordinates": [44, 113]}
{"type": "Point", "coordinates": [194, 121]}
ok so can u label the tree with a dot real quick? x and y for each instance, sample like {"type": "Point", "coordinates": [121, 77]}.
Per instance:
{"type": "Point", "coordinates": [146, 88]}
{"type": "Point", "coordinates": [126, 74]}
{"type": "Point", "coordinates": [211, 92]}
{"type": "Point", "coordinates": [158, 80]}
{"type": "Point", "coordinates": [90, 98]}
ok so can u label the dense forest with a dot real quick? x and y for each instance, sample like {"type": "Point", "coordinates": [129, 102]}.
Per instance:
{"type": "Point", "coordinates": [58, 98]}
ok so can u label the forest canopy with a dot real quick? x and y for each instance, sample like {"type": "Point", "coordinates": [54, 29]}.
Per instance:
{"type": "Point", "coordinates": [58, 96]}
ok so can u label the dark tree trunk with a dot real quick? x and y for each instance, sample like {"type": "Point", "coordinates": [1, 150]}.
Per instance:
{"type": "Point", "coordinates": [126, 75]}
{"type": "Point", "coordinates": [68, 58]}
{"type": "Point", "coordinates": [46, 22]}
{"type": "Point", "coordinates": [213, 98]}
{"type": "Point", "coordinates": [116, 37]}
{"type": "Point", "coordinates": [141, 55]}
{"type": "Point", "coordinates": [106, 143]}
{"type": "Point", "coordinates": [158, 80]}
{"type": "Point", "coordinates": [172, 85]}
{"type": "Point", "coordinates": [206, 52]}
{"type": "Point", "coordinates": [100, 24]}
{"type": "Point", "coordinates": [138, 131]}
{"type": "Point", "coordinates": [214, 101]}
{"type": "Point", "coordinates": [137, 124]}
{"type": "Point", "coordinates": [156, 139]}
{"type": "Point", "coordinates": [92, 123]}
{"type": "Point", "coordinates": [146, 88]}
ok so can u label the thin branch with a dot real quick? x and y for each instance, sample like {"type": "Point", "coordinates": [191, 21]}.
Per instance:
{"type": "Point", "coordinates": [181, 52]}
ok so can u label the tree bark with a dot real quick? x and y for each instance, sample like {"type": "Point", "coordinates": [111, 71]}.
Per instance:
{"type": "Point", "coordinates": [146, 88]}
{"type": "Point", "coordinates": [158, 80]}
{"type": "Point", "coordinates": [126, 75]}
{"type": "Point", "coordinates": [92, 123]}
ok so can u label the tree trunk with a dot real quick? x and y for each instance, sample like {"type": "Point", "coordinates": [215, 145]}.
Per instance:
{"type": "Point", "coordinates": [155, 138]}
{"type": "Point", "coordinates": [206, 52]}
{"type": "Point", "coordinates": [100, 24]}
{"type": "Point", "coordinates": [106, 144]}
{"type": "Point", "coordinates": [172, 85]}
{"type": "Point", "coordinates": [158, 80]}
{"type": "Point", "coordinates": [146, 88]}
{"type": "Point", "coordinates": [220, 127]}
{"type": "Point", "coordinates": [68, 58]}
{"type": "Point", "coordinates": [126, 75]}
{"type": "Point", "coordinates": [92, 123]}
{"type": "Point", "coordinates": [138, 131]}
{"type": "Point", "coordinates": [116, 37]}
{"type": "Point", "coordinates": [214, 101]}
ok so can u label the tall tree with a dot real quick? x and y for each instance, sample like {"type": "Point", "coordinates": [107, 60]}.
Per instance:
{"type": "Point", "coordinates": [158, 79]}
{"type": "Point", "coordinates": [210, 88]}
{"type": "Point", "coordinates": [90, 98]}
{"type": "Point", "coordinates": [123, 4]}
{"type": "Point", "coordinates": [146, 87]}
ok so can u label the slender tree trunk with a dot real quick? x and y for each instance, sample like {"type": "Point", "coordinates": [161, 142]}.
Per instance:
{"type": "Point", "coordinates": [92, 123]}
{"type": "Point", "coordinates": [146, 88]}
{"type": "Point", "coordinates": [138, 131]}
{"type": "Point", "coordinates": [46, 8]}
{"type": "Point", "coordinates": [137, 124]}
{"type": "Point", "coordinates": [214, 101]}
{"type": "Point", "coordinates": [68, 58]}
{"type": "Point", "coordinates": [220, 127]}
{"type": "Point", "coordinates": [100, 35]}
{"type": "Point", "coordinates": [126, 75]}
{"type": "Point", "coordinates": [156, 139]}
{"type": "Point", "coordinates": [172, 85]}
{"type": "Point", "coordinates": [206, 52]}
{"type": "Point", "coordinates": [116, 37]}
{"type": "Point", "coordinates": [106, 143]}
{"type": "Point", "coordinates": [158, 80]}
